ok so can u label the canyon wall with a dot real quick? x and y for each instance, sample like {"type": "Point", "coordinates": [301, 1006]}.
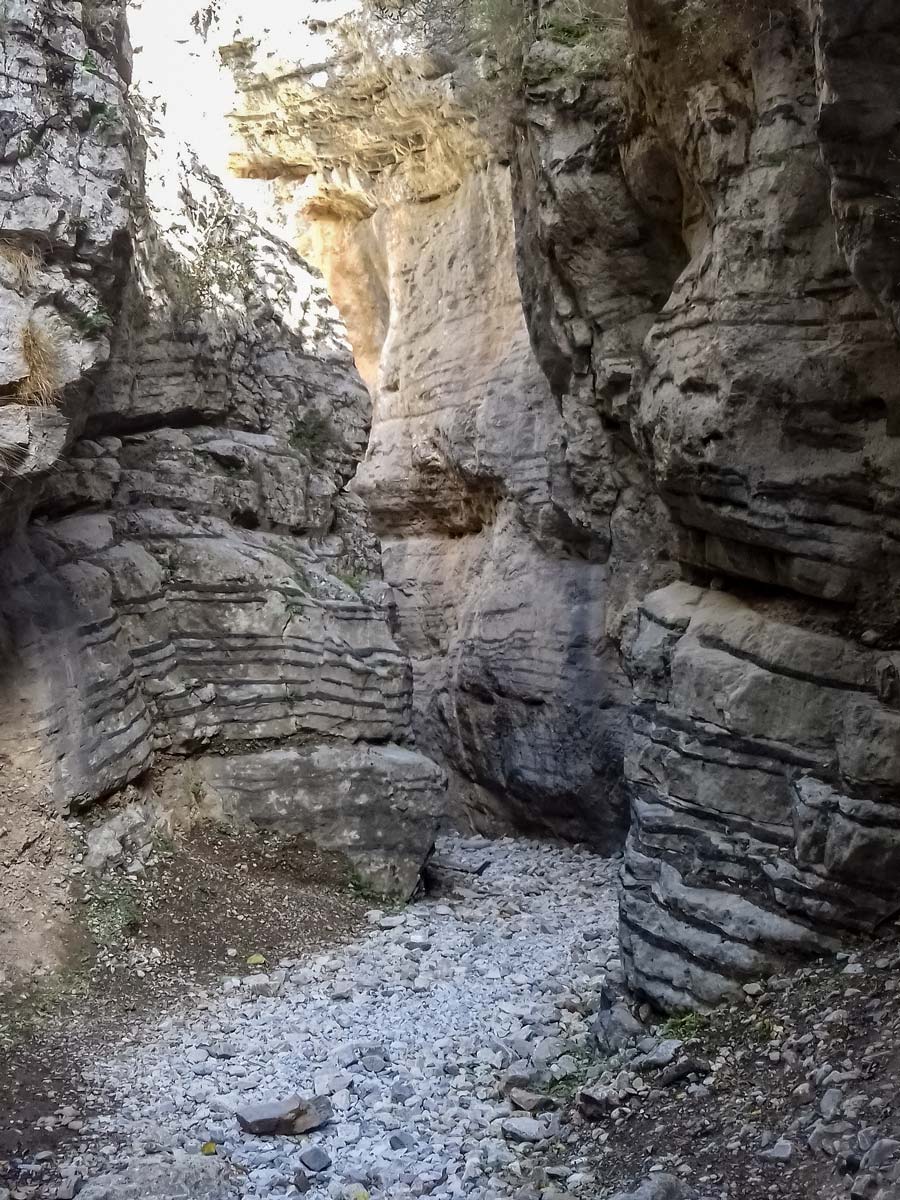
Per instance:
{"type": "Point", "coordinates": [193, 619]}
{"type": "Point", "coordinates": [646, 557]}
{"type": "Point", "coordinates": [500, 567]}
{"type": "Point", "coordinates": [762, 767]}
{"type": "Point", "coordinates": [610, 531]}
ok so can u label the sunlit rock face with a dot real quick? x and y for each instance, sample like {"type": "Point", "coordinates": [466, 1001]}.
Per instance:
{"type": "Point", "coordinates": [185, 576]}
{"type": "Point", "coordinates": [381, 168]}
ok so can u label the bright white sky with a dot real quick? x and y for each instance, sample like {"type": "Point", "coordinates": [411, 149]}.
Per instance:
{"type": "Point", "coordinates": [173, 62]}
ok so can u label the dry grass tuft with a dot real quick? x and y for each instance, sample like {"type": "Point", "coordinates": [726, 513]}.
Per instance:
{"type": "Point", "coordinates": [12, 456]}
{"type": "Point", "coordinates": [44, 354]}
{"type": "Point", "coordinates": [23, 263]}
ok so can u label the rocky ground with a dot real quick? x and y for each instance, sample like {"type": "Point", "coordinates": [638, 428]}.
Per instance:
{"type": "Point", "coordinates": [475, 1044]}
{"type": "Point", "coordinates": [147, 941]}
{"type": "Point", "coordinates": [792, 1094]}
{"type": "Point", "coordinates": [408, 1036]}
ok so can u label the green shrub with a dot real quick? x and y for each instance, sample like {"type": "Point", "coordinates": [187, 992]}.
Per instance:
{"type": "Point", "coordinates": [94, 322]}
{"type": "Point", "coordinates": [312, 433]}
{"type": "Point", "coordinates": [595, 30]}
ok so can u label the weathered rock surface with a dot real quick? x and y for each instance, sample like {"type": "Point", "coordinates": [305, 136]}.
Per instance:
{"type": "Point", "coordinates": [377, 804]}
{"type": "Point", "coordinates": [500, 576]}
{"type": "Point", "coordinates": [64, 168]}
{"type": "Point", "coordinates": [750, 388]}
{"type": "Point", "coordinates": [707, 262]}
{"type": "Point", "coordinates": [183, 569]}
{"type": "Point", "coordinates": [631, 459]}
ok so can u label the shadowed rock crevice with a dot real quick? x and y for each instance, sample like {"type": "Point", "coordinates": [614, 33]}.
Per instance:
{"type": "Point", "coordinates": [497, 560]}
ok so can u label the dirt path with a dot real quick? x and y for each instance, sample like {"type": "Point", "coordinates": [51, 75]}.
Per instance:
{"type": "Point", "coordinates": [406, 1036]}
{"type": "Point", "coordinates": [151, 944]}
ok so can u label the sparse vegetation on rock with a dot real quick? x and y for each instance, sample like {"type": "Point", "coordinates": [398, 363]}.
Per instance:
{"type": "Point", "coordinates": [44, 351]}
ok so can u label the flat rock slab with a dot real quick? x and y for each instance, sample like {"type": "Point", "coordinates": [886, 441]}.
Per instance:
{"type": "Point", "coordinates": [525, 1129]}
{"type": "Point", "coordinates": [531, 1101]}
{"type": "Point", "coordinates": [294, 1115]}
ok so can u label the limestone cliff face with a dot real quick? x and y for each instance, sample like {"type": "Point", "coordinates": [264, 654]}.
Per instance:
{"type": "Point", "coordinates": [498, 565]}
{"type": "Point", "coordinates": [687, 513]}
{"type": "Point", "coordinates": [744, 164]}
{"type": "Point", "coordinates": [191, 602]}
{"type": "Point", "coordinates": [626, 456]}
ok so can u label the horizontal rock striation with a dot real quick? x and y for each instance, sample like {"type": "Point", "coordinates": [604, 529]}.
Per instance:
{"type": "Point", "coordinates": [673, 500]}
{"type": "Point", "coordinates": [184, 572]}
{"type": "Point", "coordinates": [715, 275]}
{"type": "Point", "coordinates": [628, 323]}
{"type": "Point", "coordinates": [498, 568]}
{"type": "Point", "coordinates": [764, 769]}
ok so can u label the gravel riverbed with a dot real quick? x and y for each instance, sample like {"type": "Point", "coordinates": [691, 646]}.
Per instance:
{"type": "Point", "coordinates": [416, 1033]}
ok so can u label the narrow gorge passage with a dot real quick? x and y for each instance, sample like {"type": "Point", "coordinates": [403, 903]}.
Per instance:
{"type": "Point", "coordinates": [415, 1032]}
{"type": "Point", "coordinates": [450, 422]}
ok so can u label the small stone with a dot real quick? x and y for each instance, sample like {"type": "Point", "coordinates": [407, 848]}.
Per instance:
{"type": "Point", "coordinates": [781, 1152]}
{"type": "Point", "coordinates": [261, 985]}
{"type": "Point", "coordinates": [804, 1093]}
{"type": "Point", "coordinates": [882, 1152]}
{"type": "Point", "coordinates": [661, 1056]}
{"type": "Point", "coordinates": [531, 1101]}
{"type": "Point", "coordinates": [373, 1062]}
{"type": "Point", "coordinates": [316, 1159]}
{"type": "Point", "coordinates": [291, 1116]}
{"type": "Point", "coordinates": [302, 1182]}
{"type": "Point", "coordinates": [595, 1103]}
{"type": "Point", "coordinates": [402, 1141]}
{"type": "Point", "coordinates": [524, 1129]}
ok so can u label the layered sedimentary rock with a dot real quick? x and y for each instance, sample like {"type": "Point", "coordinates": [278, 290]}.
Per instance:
{"type": "Point", "coordinates": [65, 165]}
{"type": "Point", "coordinates": [764, 773]}
{"type": "Point", "coordinates": [630, 330]}
{"type": "Point", "coordinates": [765, 412]}
{"type": "Point", "coordinates": [499, 567]}
{"type": "Point", "coordinates": [183, 572]}
{"type": "Point", "coordinates": [761, 770]}
{"type": "Point", "coordinates": [704, 201]}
